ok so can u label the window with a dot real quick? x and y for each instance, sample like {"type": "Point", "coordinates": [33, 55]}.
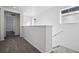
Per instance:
{"type": "Point", "coordinates": [73, 9]}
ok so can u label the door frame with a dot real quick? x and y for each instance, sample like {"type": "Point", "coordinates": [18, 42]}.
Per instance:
{"type": "Point", "coordinates": [2, 10]}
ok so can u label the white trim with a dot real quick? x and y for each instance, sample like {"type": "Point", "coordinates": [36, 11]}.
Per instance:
{"type": "Point", "coordinates": [2, 23]}
{"type": "Point", "coordinates": [60, 17]}
{"type": "Point", "coordinates": [11, 10]}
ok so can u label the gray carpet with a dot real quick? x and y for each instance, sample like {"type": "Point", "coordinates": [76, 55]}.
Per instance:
{"type": "Point", "coordinates": [62, 49]}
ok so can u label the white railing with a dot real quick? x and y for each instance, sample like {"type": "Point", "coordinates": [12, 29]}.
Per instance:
{"type": "Point", "coordinates": [57, 33]}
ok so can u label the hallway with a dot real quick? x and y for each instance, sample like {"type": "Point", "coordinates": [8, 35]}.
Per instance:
{"type": "Point", "coordinates": [15, 44]}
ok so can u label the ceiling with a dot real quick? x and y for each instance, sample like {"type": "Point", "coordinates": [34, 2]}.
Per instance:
{"type": "Point", "coordinates": [33, 10]}
{"type": "Point", "coordinates": [30, 10]}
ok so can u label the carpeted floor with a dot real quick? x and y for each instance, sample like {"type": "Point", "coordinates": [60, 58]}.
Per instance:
{"type": "Point", "coordinates": [62, 49]}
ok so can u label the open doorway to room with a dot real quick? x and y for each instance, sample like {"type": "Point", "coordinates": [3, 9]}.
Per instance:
{"type": "Point", "coordinates": [11, 24]}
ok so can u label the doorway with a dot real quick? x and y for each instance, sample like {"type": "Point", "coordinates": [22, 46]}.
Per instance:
{"type": "Point", "coordinates": [11, 24]}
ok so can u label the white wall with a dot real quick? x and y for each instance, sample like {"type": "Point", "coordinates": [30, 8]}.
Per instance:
{"type": "Point", "coordinates": [27, 20]}
{"type": "Point", "coordinates": [39, 36]}
{"type": "Point", "coordinates": [29, 12]}
{"type": "Point", "coordinates": [16, 24]}
{"type": "Point", "coordinates": [51, 16]}
{"type": "Point", "coordinates": [70, 36]}
{"type": "Point", "coordinates": [33, 10]}
{"type": "Point", "coordinates": [72, 18]}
